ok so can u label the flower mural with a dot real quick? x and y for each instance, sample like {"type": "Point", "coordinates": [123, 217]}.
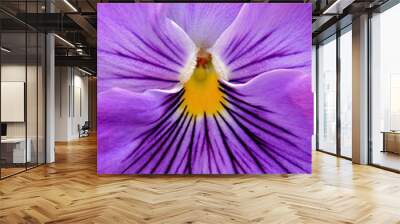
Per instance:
{"type": "Point", "coordinates": [204, 88]}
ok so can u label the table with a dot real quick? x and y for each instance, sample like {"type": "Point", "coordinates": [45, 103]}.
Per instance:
{"type": "Point", "coordinates": [13, 150]}
{"type": "Point", "coordinates": [391, 141]}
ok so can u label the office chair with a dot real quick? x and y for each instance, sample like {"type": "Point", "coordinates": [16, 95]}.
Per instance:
{"type": "Point", "coordinates": [84, 130]}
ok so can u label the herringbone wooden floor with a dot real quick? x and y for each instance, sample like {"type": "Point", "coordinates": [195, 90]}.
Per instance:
{"type": "Point", "coordinates": [70, 191]}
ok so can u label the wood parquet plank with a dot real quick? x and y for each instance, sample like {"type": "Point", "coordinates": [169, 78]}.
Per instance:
{"type": "Point", "coordinates": [70, 191]}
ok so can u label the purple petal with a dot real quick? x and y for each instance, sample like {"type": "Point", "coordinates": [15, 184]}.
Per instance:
{"type": "Point", "coordinates": [269, 107]}
{"type": "Point", "coordinates": [122, 117]}
{"type": "Point", "coordinates": [265, 37]}
{"type": "Point", "coordinates": [264, 128]}
{"type": "Point", "coordinates": [203, 22]}
{"type": "Point", "coordinates": [139, 48]}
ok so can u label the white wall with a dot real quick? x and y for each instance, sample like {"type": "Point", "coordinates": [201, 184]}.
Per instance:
{"type": "Point", "coordinates": [33, 127]}
{"type": "Point", "coordinates": [17, 73]}
{"type": "Point", "coordinates": [71, 102]}
{"type": "Point", "coordinates": [12, 73]}
{"type": "Point", "coordinates": [62, 82]}
{"type": "Point", "coordinates": [13, 101]}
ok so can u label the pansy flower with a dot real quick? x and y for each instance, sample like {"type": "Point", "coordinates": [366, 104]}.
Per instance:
{"type": "Point", "coordinates": [204, 88]}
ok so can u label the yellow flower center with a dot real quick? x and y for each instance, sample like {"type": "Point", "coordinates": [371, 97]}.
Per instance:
{"type": "Point", "coordinates": [202, 94]}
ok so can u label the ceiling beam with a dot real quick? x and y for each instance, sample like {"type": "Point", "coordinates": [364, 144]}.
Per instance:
{"type": "Point", "coordinates": [85, 25]}
{"type": "Point", "coordinates": [81, 61]}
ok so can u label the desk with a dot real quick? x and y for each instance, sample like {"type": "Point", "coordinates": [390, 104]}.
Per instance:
{"type": "Point", "coordinates": [15, 148]}
{"type": "Point", "coordinates": [391, 141]}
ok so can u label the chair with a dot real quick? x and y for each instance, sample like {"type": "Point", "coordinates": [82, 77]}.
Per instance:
{"type": "Point", "coordinates": [84, 130]}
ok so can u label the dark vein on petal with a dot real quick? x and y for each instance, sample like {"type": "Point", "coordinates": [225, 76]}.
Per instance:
{"type": "Point", "coordinates": [176, 95]}
{"type": "Point", "coordinates": [230, 89]}
{"type": "Point", "coordinates": [227, 148]}
{"type": "Point", "coordinates": [143, 54]}
{"type": "Point", "coordinates": [230, 96]}
{"type": "Point", "coordinates": [136, 57]}
{"type": "Point", "coordinates": [171, 109]}
{"type": "Point", "coordinates": [196, 143]}
{"type": "Point", "coordinates": [220, 156]}
{"type": "Point", "coordinates": [204, 152]}
{"type": "Point", "coordinates": [240, 48]}
{"type": "Point", "coordinates": [172, 160]}
{"type": "Point", "coordinates": [153, 131]}
{"type": "Point", "coordinates": [208, 141]}
{"type": "Point", "coordinates": [172, 43]}
{"type": "Point", "coordinates": [128, 68]}
{"type": "Point", "coordinates": [248, 50]}
{"type": "Point", "coordinates": [138, 75]}
{"type": "Point", "coordinates": [189, 162]}
{"type": "Point", "coordinates": [154, 49]}
{"type": "Point", "coordinates": [245, 78]}
{"type": "Point", "coordinates": [257, 140]}
{"type": "Point", "coordinates": [259, 127]}
{"type": "Point", "coordinates": [249, 151]}
{"type": "Point", "coordinates": [143, 151]}
{"type": "Point", "coordinates": [291, 161]}
{"type": "Point", "coordinates": [181, 163]}
{"type": "Point", "coordinates": [149, 78]}
{"type": "Point", "coordinates": [234, 44]}
{"type": "Point", "coordinates": [261, 140]}
{"type": "Point", "coordinates": [257, 117]}
{"type": "Point", "coordinates": [166, 150]}
{"type": "Point", "coordinates": [264, 58]}
{"type": "Point", "coordinates": [160, 143]}
{"type": "Point", "coordinates": [159, 36]}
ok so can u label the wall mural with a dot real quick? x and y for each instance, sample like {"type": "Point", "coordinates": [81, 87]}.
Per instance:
{"type": "Point", "coordinates": [204, 88]}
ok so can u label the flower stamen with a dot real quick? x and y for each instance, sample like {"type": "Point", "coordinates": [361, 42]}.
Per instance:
{"type": "Point", "coordinates": [202, 91]}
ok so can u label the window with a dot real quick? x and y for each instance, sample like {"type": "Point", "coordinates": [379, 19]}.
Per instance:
{"type": "Point", "coordinates": [346, 93]}
{"type": "Point", "coordinates": [385, 89]}
{"type": "Point", "coordinates": [327, 96]}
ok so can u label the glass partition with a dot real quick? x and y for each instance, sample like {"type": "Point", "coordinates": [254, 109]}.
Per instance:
{"type": "Point", "coordinates": [334, 81]}
{"type": "Point", "coordinates": [22, 101]}
{"type": "Point", "coordinates": [14, 153]}
{"type": "Point", "coordinates": [327, 96]}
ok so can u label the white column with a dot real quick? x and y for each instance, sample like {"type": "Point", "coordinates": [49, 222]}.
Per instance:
{"type": "Point", "coordinates": [50, 99]}
{"type": "Point", "coordinates": [360, 90]}
{"type": "Point", "coordinates": [50, 92]}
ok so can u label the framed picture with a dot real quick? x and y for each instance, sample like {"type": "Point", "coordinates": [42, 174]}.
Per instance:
{"type": "Point", "coordinates": [204, 88]}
